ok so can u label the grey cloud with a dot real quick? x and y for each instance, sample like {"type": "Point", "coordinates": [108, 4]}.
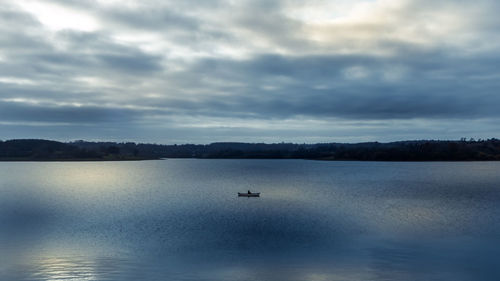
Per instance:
{"type": "Point", "coordinates": [272, 29]}
{"type": "Point", "coordinates": [422, 94]}
{"type": "Point", "coordinates": [16, 111]}
{"type": "Point", "coordinates": [11, 23]}
{"type": "Point", "coordinates": [86, 54]}
{"type": "Point", "coordinates": [153, 18]}
{"type": "Point", "coordinates": [172, 19]}
{"type": "Point", "coordinates": [105, 55]}
{"type": "Point", "coordinates": [40, 93]}
{"type": "Point", "coordinates": [9, 14]}
{"type": "Point", "coordinates": [133, 63]}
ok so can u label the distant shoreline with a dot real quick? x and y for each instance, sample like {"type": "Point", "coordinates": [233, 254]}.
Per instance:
{"type": "Point", "coordinates": [192, 158]}
{"type": "Point", "coordinates": [73, 160]}
{"type": "Point", "coordinates": [155, 159]}
{"type": "Point", "coordinates": [402, 151]}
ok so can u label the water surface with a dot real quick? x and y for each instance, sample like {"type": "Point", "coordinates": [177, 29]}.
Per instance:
{"type": "Point", "coordinates": [182, 220]}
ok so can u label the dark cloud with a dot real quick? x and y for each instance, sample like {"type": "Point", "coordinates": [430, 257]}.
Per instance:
{"type": "Point", "coordinates": [25, 112]}
{"type": "Point", "coordinates": [318, 86]}
{"type": "Point", "coordinates": [133, 63]}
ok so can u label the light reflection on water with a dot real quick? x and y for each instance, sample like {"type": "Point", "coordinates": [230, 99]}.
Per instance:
{"type": "Point", "coordinates": [182, 220]}
{"type": "Point", "coordinates": [67, 269]}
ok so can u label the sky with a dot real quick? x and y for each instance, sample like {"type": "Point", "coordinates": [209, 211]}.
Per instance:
{"type": "Point", "coordinates": [303, 71]}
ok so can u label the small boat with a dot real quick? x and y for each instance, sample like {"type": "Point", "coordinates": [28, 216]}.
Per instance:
{"type": "Point", "coordinates": [246, 194]}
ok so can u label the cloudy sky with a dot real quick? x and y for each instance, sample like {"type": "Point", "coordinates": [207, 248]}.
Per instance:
{"type": "Point", "coordinates": [253, 71]}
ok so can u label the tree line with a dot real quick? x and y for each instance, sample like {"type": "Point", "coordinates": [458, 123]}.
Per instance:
{"type": "Point", "coordinates": [420, 150]}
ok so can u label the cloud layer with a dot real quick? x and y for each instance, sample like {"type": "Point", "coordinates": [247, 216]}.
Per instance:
{"type": "Point", "coordinates": [290, 70]}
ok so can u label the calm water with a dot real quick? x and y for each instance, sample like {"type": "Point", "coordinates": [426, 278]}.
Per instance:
{"type": "Point", "coordinates": [182, 220]}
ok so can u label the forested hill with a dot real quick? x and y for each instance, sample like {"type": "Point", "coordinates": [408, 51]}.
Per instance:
{"type": "Point", "coordinates": [422, 150]}
{"type": "Point", "coordinates": [47, 150]}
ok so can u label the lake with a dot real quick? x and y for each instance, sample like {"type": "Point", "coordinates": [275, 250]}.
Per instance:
{"type": "Point", "coordinates": [181, 219]}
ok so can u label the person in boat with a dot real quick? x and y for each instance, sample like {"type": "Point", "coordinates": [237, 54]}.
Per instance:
{"type": "Point", "coordinates": [249, 192]}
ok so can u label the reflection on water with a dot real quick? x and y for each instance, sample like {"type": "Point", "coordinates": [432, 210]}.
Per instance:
{"type": "Point", "coordinates": [70, 269]}
{"type": "Point", "coordinates": [182, 220]}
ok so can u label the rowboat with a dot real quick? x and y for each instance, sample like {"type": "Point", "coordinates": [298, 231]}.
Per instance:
{"type": "Point", "coordinates": [245, 194]}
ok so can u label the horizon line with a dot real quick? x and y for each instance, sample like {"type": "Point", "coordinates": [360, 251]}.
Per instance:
{"type": "Point", "coordinates": [267, 143]}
